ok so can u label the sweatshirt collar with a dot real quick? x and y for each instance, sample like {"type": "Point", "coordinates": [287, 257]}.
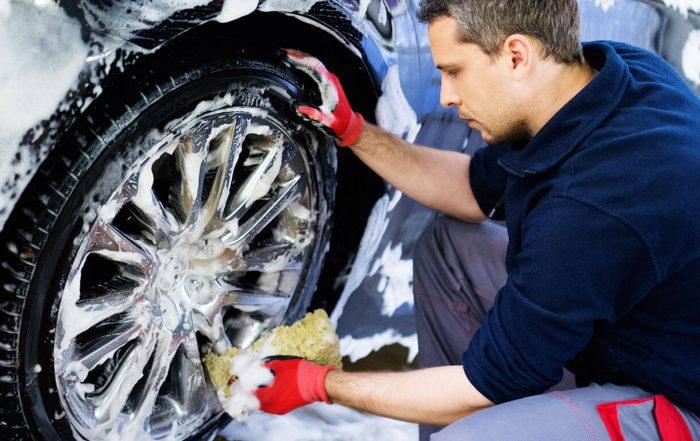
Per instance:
{"type": "Point", "coordinates": [577, 119]}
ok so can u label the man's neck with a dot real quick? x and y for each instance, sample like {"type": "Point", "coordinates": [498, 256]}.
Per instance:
{"type": "Point", "coordinates": [565, 83]}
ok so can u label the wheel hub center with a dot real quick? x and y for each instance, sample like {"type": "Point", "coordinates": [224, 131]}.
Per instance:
{"type": "Point", "coordinates": [173, 272]}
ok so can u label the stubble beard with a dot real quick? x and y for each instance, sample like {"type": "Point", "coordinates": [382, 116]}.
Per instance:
{"type": "Point", "coordinates": [515, 131]}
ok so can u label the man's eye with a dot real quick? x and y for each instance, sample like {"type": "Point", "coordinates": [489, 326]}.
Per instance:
{"type": "Point", "coordinates": [452, 73]}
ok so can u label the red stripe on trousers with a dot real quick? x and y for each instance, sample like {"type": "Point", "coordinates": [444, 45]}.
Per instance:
{"type": "Point", "coordinates": [670, 423]}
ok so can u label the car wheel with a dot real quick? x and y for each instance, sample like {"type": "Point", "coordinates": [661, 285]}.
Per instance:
{"type": "Point", "coordinates": [193, 210]}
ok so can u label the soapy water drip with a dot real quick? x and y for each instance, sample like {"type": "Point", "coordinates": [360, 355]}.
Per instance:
{"type": "Point", "coordinates": [215, 220]}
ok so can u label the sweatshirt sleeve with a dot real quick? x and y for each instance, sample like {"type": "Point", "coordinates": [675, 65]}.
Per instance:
{"type": "Point", "coordinates": [488, 180]}
{"type": "Point", "coordinates": [564, 280]}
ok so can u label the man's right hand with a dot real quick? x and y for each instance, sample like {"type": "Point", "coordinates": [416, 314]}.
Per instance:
{"type": "Point", "coordinates": [335, 112]}
{"type": "Point", "coordinates": [297, 382]}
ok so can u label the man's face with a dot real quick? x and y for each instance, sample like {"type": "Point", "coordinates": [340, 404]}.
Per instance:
{"type": "Point", "coordinates": [475, 84]}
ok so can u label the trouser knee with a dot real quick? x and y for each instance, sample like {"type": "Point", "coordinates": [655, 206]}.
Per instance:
{"type": "Point", "coordinates": [431, 249]}
{"type": "Point", "coordinates": [445, 250]}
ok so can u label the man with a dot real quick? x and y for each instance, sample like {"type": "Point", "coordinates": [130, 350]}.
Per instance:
{"type": "Point", "coordinates": [594, 163]}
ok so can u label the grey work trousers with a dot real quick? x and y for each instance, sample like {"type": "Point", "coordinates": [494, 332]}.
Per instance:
{"type": "Point", "coordinates": [458, 269]}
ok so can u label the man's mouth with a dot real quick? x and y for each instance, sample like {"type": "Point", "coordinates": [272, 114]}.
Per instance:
{"type": "Point", "coordinates": [469, 121]}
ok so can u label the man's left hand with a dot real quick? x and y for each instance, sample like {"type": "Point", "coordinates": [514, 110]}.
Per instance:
{"type": "Point", "coordinates": [335, 112]}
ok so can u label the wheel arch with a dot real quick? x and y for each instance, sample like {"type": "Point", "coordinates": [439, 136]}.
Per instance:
{"type": "Point", "coordinates": [339, 44]}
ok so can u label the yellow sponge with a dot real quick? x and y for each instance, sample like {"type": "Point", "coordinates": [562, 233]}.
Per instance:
{"type": "Point", "coordinates": [312, 338]}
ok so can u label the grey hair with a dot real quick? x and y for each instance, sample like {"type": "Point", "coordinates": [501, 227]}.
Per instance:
{"type": "Point", "coordinates": [555, 24]}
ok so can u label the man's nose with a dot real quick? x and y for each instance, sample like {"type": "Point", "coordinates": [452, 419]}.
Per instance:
{"type": "Point", "coordinates": [448, 98]}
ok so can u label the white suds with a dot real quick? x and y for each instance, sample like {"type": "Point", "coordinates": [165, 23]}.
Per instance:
{"type": "Point", "coordinates": [362, 8]}
{"type": "Point", "coordinates": [129, 17]}
{"type": "Point", "coordinates": [684, 5]}
{"type": "Point", "coordinates": [42, 53]}
{"type": "Point", "coordinates": [396, 279]}
{"type": "Point", "coordinates": [358, 348]}
{"type": "Point", "coordinates": [383, 14]}
{"type": "Point", "coordinates": [377, 224]}
{"type": "Point", "coordinates": [302, 6]}
{"type": "Point", "coordinates": [5, 9]}
{"type": "Point", "coordinates": [238, 93]}
{"type": "Point", "coordinates": [235, 9]}
{"type": "Point", "coordinates": [84, 388]}
{"type": "Point", "coordinates": [394, 113]}
{"type": "Point", "coordinates": [299, 211]}
{"type": "Point", "coordinates": [259, 129]}
{"type": "Point", "coordinates": [329, 94]}
{"type": "Point", "coordinates": [691, 57]}
{"type": "Point", "coordinates": [263, 181]}
{"type": "Point", "coordinates": [605, 5]}
{"type": "Point", "coordinates": [250, 372]}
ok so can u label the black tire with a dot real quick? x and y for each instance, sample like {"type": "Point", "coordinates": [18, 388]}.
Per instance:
{"type": "Point", "coordinates": [38, 239]}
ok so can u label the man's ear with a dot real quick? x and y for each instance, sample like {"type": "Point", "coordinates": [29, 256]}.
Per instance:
{"type": "Point", "coordinates": [519, 52]}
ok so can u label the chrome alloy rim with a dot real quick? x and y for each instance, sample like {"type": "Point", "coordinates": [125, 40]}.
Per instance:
{"type": "Point", "coordinates": [207, 239]}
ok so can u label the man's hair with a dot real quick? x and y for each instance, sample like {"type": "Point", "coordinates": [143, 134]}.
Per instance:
{"type": "Point", "coordinates": [488, 23]}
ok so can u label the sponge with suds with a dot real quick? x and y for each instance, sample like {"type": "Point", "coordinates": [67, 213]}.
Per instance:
{"type": "Point", "coordinates": [312, 338]}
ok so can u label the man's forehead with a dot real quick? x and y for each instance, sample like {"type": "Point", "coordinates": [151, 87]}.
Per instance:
{"type": "Point", "coordinates": [448, 51]}
{"type": "Point", "coordinates": [445, 29]}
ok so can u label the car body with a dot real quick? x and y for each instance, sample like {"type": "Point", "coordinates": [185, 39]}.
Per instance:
{"type": "Point", "coordinates": [68, 65]}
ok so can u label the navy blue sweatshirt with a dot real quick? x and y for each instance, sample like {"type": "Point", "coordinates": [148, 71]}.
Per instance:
{"type": "Point", "coordinates": [602, 207]}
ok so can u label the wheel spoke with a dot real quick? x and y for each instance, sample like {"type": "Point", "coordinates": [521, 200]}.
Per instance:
{"type": "Point", "coordinates": [166, 348]}
{"type": "Point", "coordinates": [112, 400]}
{"type": "Point", "coordinates": [106, 240]}
{"type": "Point", "coordinates": [189, 386]}
{"type": "Point", "coordinates": [214, 330]}
{"type": "Point", "coordinates": [208, 320]}
{"type": "Point", "coordinates": [285, 195]}
{"type": "Point", "coordinates": [259, 311]}
{"type": "Point", "coordinates": [273, 258]}
{"type": "Point", "coordinates": [211, 308]}
{"type": "Point", "coordinates": [192, 156]}
{"type": "Point", "coordinates": [137, 260]}
{"type": "Point", "coordinates": [259, 182]}
{"type": "Point", "coordinates": [101, 308]}
{"type": "Point", "coordinates": [106, 345]}
{"type": "Point", "coordinates": [260, 301]}
{"type": "Point", "coordinates": [225, 160]}
{"type": "Point", "coordinates": [139, 190]}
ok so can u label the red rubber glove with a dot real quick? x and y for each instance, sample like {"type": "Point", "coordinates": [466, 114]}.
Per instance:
{"type": "Point", "coordinates": [297, 382]}
{"type": "Point", "coordinates": [335, 111]}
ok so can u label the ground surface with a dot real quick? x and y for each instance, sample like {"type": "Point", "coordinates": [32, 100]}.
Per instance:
{"type": "Point", "coordinates": [320, 422]}
{"type": "Point", "coordinates": [331, 423]}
